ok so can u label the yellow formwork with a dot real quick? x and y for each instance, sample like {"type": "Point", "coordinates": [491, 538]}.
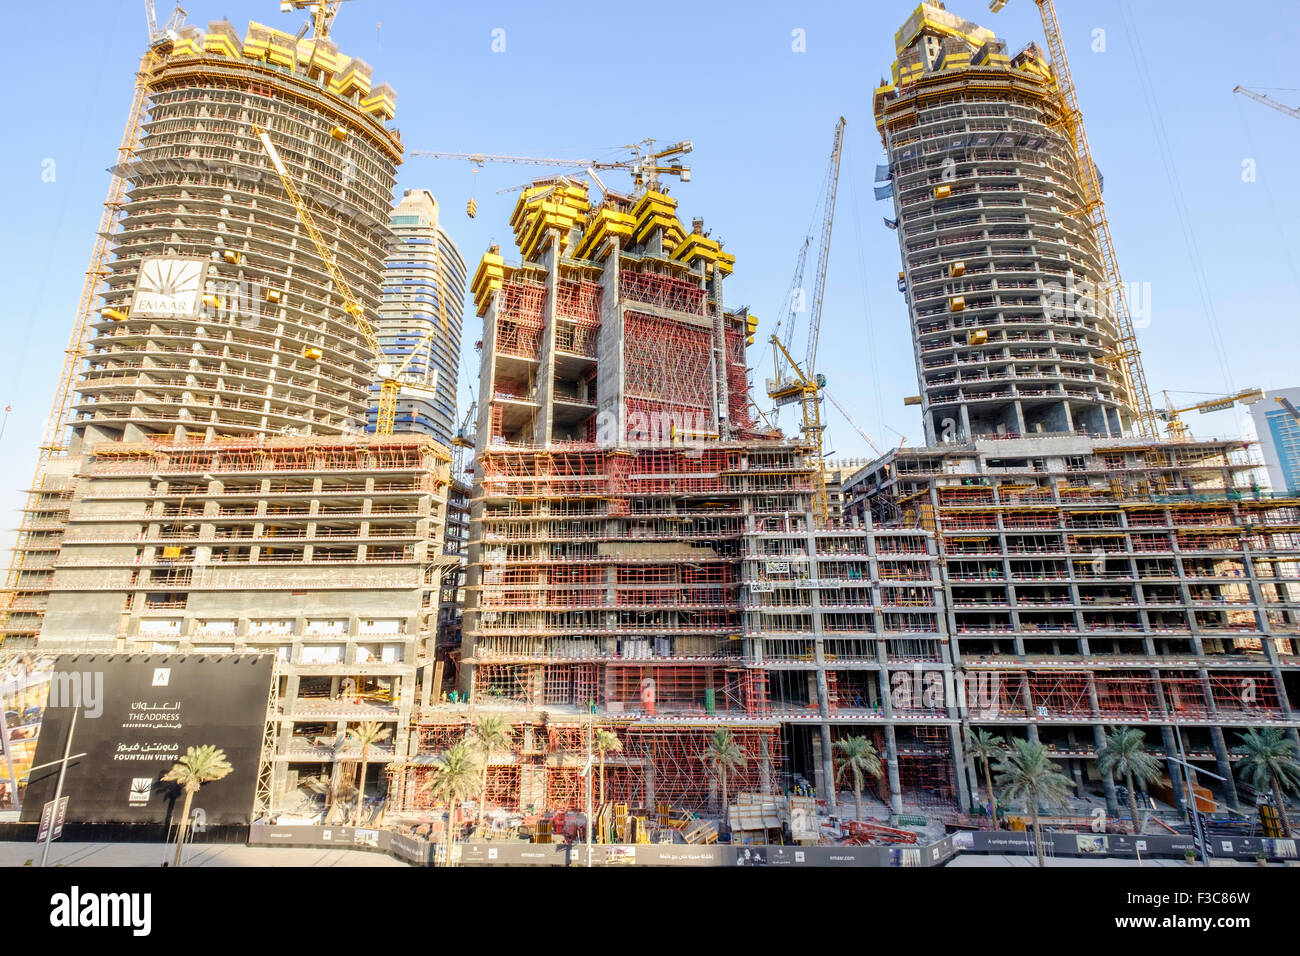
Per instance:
{"type": "Point", "coordinates": [220, 44]}
{"type": "Point", "coordinates": [696, 247]}
{"type": "Point", "coordinates": [654, 211]}
{"type": "Point", "coordinates": [488, 278]}
{"type": "Point", "coordinates": [604, 224]}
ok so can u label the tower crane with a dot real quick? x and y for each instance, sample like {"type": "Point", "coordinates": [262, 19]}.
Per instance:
{"type": "Point", "coordinates": [168, 32]}
{"type": "Point", "coordinates": [322, 13]}
{"type": "Point", "coordinates": [1177, 429]}
{"type": "Point", "coordinates": [1126, 356]}
{"type": "Point", "coordinates": [802, 383]}
{"type": "Point", "coordinates": [1290, 408]}
{"type": "Point", "coordinates": [465, 436]}
{"type": "Point", "coordinates": [389, 384]}
{"type": "Point", "coordinates": [1290, 111]}
{"type": "Point", "coordinates": [645, 163]}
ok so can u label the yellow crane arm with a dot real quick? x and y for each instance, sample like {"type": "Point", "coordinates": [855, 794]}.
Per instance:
{"type": "Point", "coordinates": [350, 303]}
{"type": "Point", "coordinates": [388, 387]}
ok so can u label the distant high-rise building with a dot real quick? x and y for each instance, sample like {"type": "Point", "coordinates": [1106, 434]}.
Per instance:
{"type": "Point", "coordinates": [998, 271]}
{"type": "Point", "coordinates": [1279, 439]}
{"type": "Point", "coordinates": [423, 263]}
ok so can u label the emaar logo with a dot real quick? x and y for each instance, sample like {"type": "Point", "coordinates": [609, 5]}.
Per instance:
{"type": "Point", "coordinates": [75, 909]}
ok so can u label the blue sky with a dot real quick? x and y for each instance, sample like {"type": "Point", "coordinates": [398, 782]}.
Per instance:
{"type": "Point", "coordinates": [579, 81]}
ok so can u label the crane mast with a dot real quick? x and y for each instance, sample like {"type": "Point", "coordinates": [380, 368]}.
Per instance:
{"type": "Point", "coordinates": [806, 384]}
{"type": "Point", "coordinates": [824, 249]}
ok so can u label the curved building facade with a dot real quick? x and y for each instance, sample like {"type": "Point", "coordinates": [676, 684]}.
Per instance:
{"type": "Point", "coordinates": [1000, 274]}
{"type": "Point", "coordinates": [411, 308]}
{"type": "Point", "coordinates": [220, 318]}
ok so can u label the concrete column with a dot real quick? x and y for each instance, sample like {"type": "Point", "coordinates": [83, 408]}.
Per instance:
{"type": "Point", "coordinates": [1223, 767]}
{"type": "Point", "coordinates": [824, 762]}
{"type": "Point", "coordinates": [895, 780]}
{"type": "Point", "coordinates": [958, 767]}
{"type": "Point", "coordinates": [1175, 771]}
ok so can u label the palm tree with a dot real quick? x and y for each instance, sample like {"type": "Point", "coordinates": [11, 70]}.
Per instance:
{"type": "Point", "coordinates": [371, 732]}
{"type": "Point", "coordinates": [1025, 773]}
{"type": "Point", "coordinates": [1125, 753]}
{"type": "Point", "coordinates": [606, 742]}
{"type": "Point", "coordinates": [722, 755]}
{"type": "Point", "coordinates": [199, 766]}
{"type": "Point", "coordinates": [1271, 762]}
{"type": "Point", "coordinates": [984, 746]}
{"type": "Point", "coordinates": [861, 759]}
{"type": "Point", "coordinates": [492, 733]}
{"type": "Point", "coordinates": [338, 746]}
{"type": "Point", "coordinates": [455, 779]}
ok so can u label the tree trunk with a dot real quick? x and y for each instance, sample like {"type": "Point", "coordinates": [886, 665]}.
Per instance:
{"type": "Point", "coordinates": [180, 831]}
{"type": "Point", "coordinates": [1281, 807]}
{"type": "Point", "coordinates": [993, 797]}
{"type": "Point", "coordinates": [602, 780]}
{"type": "Point", "coordinates": [482, 797]}
{"type": "Point", "coordinates": [1038, 835]}
{"type": "Point", "coordinates": [451, 823]}
{"type": "Point", "coordinates": [1132, 802]}
{"type": "Point", "coordinates": [361, 791]}
{"type": "Point", "coordinates": [857, 795]}
{"type": "Point", "coordinates": [726, 816]}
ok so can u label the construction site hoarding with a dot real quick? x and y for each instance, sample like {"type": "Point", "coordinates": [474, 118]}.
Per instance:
{"type": "Point", "coordinates": [136, 715]}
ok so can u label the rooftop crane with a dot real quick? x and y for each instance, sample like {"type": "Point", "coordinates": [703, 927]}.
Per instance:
{"type": "Point", "coordinates": [1290, 111]}
{"type": "Point", "coordinates": [1127, 357]}
{"type": "Point", "coordinates": [168, 32]}
{"type": "Point", "coordinates": [802, 383]}
{"type": "Point", "coordinates": [322, 13]}
{"type": "Point", "coordinates": [389, 384]}
{"type": "Point", "coordinates": [1286, 403]}
{"type": "Point", "coordinates": [1177, 429]}
{"type": "Point", "coordinates": [645, 163]}
{"type": "Point", "coordinates": [465, 436]}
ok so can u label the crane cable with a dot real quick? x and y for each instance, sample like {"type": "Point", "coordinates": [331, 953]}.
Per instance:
{"type": "Point", "coordinates": [863, 285]}
{"type": "Point", "coordinates": [1285, 248]}
{"type": "Point", "coordinates": [1180, 202]}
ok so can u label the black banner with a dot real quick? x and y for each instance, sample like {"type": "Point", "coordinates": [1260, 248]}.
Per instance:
{"type": "Point", "coordinates": [136, 715]}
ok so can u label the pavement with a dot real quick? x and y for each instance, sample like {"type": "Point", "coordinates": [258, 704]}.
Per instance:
{"type": "Point", "coordinates": [977, 859]}
{"type": "Point", "coordinates": [196, 854]}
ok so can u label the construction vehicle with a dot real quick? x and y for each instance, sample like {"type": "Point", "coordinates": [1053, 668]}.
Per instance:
{"type": "Point", "coordinates": [1126, 357]}
{"type": "Point", "coordinates": [1290, 111]}
{"type": "Point", "coordinates": [646, 164]}
{"type": "Point", "coordinates": [390, 382]}
{"type": "Point", "coordinates": [1176, 429]}
{"type": "Point", "coordinates": [800, 382]}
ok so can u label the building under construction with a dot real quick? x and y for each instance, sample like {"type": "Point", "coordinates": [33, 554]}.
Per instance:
{"type": "Point", "coordinates": [642, 555]}
{"type": "Point", "coordinates": [205, 484]}
{"type": "Point", "coordinates": [1095, 574]}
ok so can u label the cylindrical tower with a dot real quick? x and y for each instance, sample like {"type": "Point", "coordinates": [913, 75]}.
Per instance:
{"type": "Point", "coordinates": [220, 318]}
{"type": "Point", "coordinates": [1001, 273]}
